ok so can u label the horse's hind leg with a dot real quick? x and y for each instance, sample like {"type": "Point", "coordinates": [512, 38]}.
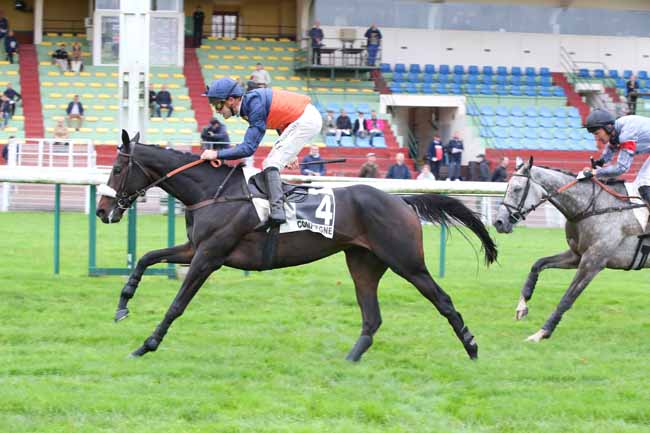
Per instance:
{"type": "Point", "coordinates": [181, 254]}
{"type": "Point", "coordinates": [366, 271]}
{"type": "Point", "coordinates": [565, 260]}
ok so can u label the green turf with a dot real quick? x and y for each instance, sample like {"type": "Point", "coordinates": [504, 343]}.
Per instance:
{"type": "Point", "coordinates": [265, 353]}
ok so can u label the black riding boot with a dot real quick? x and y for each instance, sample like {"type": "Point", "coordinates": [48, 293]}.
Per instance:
{"type": "Point", "coordinates": [276, 196]}
{"type": "Point", "coordinates": [644, 192]}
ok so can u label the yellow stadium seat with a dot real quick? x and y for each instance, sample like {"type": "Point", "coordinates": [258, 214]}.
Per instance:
{"type": "Point", "coordinates": [279, 78]}
{"type": "Point", "coordinates": [183, 97]}
{"type": "Point", "coordinates": [352, 90]}
{"type": "Point", "coordinates": [111, 85]}
{"type": "Point", "coordinates": [264, 49]}
{"type": "Point", "coordinates": [169, 130]}
{"type": "Point", "coordinates": [188, 119]}
{"type": "Point", "coordinates": [242, 39]}
{"type": "Point", "coordinates": [286, 58]}
{"type": "Point", "coordinates": [163, 75]}
{"type": "Point", "coordinates": [53, 74]}
{"type": "Point", "coordinates": [63, 84]}
{"type": "Point", "coordinates": [367, 91]}
{"type": "Point", "coordinates": [283, 68]}
{"type": "Point", "coordinates": [47, 84]}
{"type": "Point", "coordinates": [52, 34]}
{"type": "Point", "coordinates": [271, 68]}
{"type": "Point", "coordinates": [214, 56]}
{"type": "Point", "coordinates": [172, 119]}
{"type": "Point", "coordinates": [272, 58]}
{"type": "Point", "coordinates": [249, 48]}
{"type": "Point", "coordinates": [258, 58]}
{"type": "Point", "coordinates": [185, 131]}
{"type": "Point", "coordinates": [78, 84]}
{"type": "Point", "coordinates": [19, 117]}
{"type": "Point", "coordinates": [220, 47]}
{"type": "Point", "coordinates": [69, 74]}
{"type": "Point", "coordinates": [85, 95]}
{"type": "Point", "coordinates": [152, 130]}
{"type": "Point", "coordinates": [102, 129]}
{"type": "Point", "coordinates": [99, 107]}
{"type": "Point", "coordinates": [11, 72]}
{"type": "Point", "coordinates": [284, 40]}
{"type": "Point", "coordinates": [100, 74]}
{"type": "Point", "coordinates": [278, 49]}
{"type": "Point", "coordinates": [269, 39]}
{"type": "Point", "coordinates": [108, 118]}
{"type": "Point", "coordinates": [114, 74]}
{"type": "Point", "coordinates": [156, 119]}
{"type": "Point", "coordinates": [85, 129]}
{"type": "Point", "coordinates": [235, 48]}
{"type": "Point", "coordinates": [217, 76]}
{"type": "Point", "coordinates": [49, 106]}
{"type": "Point", "coordinates": [91, 118]}
{"type": "Point", "coordinates": [228, 57]}
{"type": "Point", "coordinates": [95, 85]}
{"type": "Point", "coordinates": [295, 78]}
{"type": "Point", "coordinates": [55, 95]}
{"type": "Point", "coordinates": [66, 35]}
{"type": "Point", "coordinates": [84, 74]}
{"type": "Point", "coordinates": [239, 67]}
{"type": "Point", "coordinates": [223, 67]}
{"type": "Point", "coordinates": [11, 129]}
{"type": "Point", "coordinates": [180, 109]}
{"type": "Point", "coordinates": [175, 75]}
{"type": "Point", "coordinates": [292, 49]}
{"type": "Point", "coordinates": [44, 63]}
{"type": "Point", "coordinates": [46, 43]}
{"type": "Point", "coordinates": [104, 96]}
{"type": "Point", "coordinates": [243, 57]}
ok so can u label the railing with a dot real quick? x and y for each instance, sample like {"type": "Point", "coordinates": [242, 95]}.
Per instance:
{"type": "Point", "coordinates": [63, 26]}
{"type": "Point", "coordinates": [336, 52]}
{"type": "Point", "coordinates": [52, 152]}
{"type": "Point", "coordinates": [218, 30]}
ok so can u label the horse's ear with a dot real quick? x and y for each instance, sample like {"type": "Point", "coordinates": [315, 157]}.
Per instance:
{"type": "Point", "coordinates": [136, 139]}
{"type": "Point", "coordinates": [125, 140]}
{"type": "Point", "coordinates": [530, 161]}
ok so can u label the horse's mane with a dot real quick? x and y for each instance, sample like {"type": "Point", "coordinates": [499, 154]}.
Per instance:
{"type": "Point", "coordinates": [188, 156]}
{"type": "Point", "coordinates": [610, 181]}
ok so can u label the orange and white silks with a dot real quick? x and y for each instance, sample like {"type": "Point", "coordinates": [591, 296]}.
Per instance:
{"type": "Point", "coordinates": [286, 108]}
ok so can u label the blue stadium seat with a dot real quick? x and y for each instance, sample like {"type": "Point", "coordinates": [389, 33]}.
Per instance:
{"type": "Point", "coordinates": [530, 91]}
{"type": "Point", "coordinates": [503, 122]}
{"type": "Point", "coordinates": [396, 87]}
{"type": "Point", "coordinates": [471, 89]}
{"type": "Point", "coordinates": [459, 69]}
{"type": "Point", "coordinates": [364, 108]}
{"type": "Point", "coordinates": [530, 80]}
{"type": "Point", "coordinates": [500, 80]}
{"type": "Point", "coordinates": [545, 122]}
{"type": "Point", "coordinates": [472, 69]}
{"type": "Point", "coordinates": [444, 69]}
{"type": "Point", "coordinates": [530, 71]}
{"type": "Point", "coordinates": [441, 89]}
{"type": "Point", "coordinates": [500, 132]}
{"type": "Point", "coordinates": [472, 79]}
{"type": "Point", "coordinates": [350, 108]}
{"type": "Point", "coordinates": [560, 134]}
{"type": "Point", "coordinates": [516, 133]}
{"type": "Point", "coordinates": [545, 112]}
{"type": "Point", "coordinates": [443, 78]}
{"type": "Point", "coordinates": [516, 111]}
{"type": "Point", "coordinates": [429, 69]}
{"type": "Point", "coordinates": [385, 68]}
{"type": "Point", "coordinates": [485, 89]}
{"type": "Point", "coordinates": [530, 112]}
{"type": "Point", "coordinates": [620, 83]}
{"type": "Point", "coordinates": [627, 74]}
{"type": "Point", "coordinates": [599, 73]}
{"type": "Point", "coordinates": [584, 73]}
{"type": "Point", "coordinates": [400, 67]}
{"type": "Point", "coordinates": [330, 141]}
{"type": "Point", "coordinates": [574, 122]}
{"type": "Point", "coordinates": [427, 78]}
{"type": "Point", "coordinates": [546, 81]}
{"type": "Point", "coordinates": [458, 78]}
{"type": "Point", "coordinates": [517, 122]}
{"type": "Point", "coordinates": [501, 111]}
{"type": "Point", "coordinates": [559, 92]}
{"type": "Point", "coordinates": [411, 88]}
{"type": "Point", "coordinates": [545, 72]}
{"type": "Point", "coordinates": [487, 110]}
{"type": "Point", "coordinates": [414, 77]}
{"type": "Point", "coordinates": [515, 80]}
{"type": "Point", "coordinates": [559, 122]}
{"type": "Point", "coordinates": [472, 110]}
{"type": "Point", "coordinates": [560, 112]}
{"type": "Point", "coordinates": [642, 75]}
{"type": "Point", "coordinates": [515, 71]}
{"type": "Point", "coordinates": [488, 121]}
{"type": "Point", "coordinates": [379, 142]}
{"type": "Point", "coordinates": [545, 91]}
{"type": "Point", "coordinates": [575, 137]}
{"type": "Point", "coordinates": [515, 91]}
{"type": "Point", "coordinates": [502, 70]}
{"type": "Point", "coordinates": [486, 132]}
{"type": "Point", "coordinates": [487, 79]}
{"type": "Point", "coordinates": [613, 73]}
{"type": "Point", "coordinates": [532, 122]}
{"type": "Point", "coordinates": [573, 112]}
{"type": "Point", "coordinates": [455, 89]}
{"type": "Point", "coordinates": [501, 90]}
{"type": "Point", "coordinates": [415, 68]}
{"type": "Point", "coordinates": [333, 106]}
{"type": "Point", "coordinates": [426, 88]}
{"type": "Point", "coordinates": [398, 77]}
{"type": "Point", "coordinates": [545, 134]}
{"type": "Point", "coordinates": [347, 141]}
{"type": "Point", "coordinates": [487, 70]}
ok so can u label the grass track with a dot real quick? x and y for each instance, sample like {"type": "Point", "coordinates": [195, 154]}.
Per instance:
{"type": "Point", "coordinates": [265, 353]}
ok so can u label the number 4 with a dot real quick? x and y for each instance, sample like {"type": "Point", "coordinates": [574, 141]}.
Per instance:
{"type": "Point", "coordinates": [324, 210]}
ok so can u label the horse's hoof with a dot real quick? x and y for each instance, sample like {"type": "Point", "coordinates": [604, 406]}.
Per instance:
{"type": "Point", "coordinates": [472, 349]}
{"type": "Point", "coordinates": [521, 314]}
{"type": "Point", "coordinates": [138, 353]}
{"type": "Point", "coordinates": [538, 336]}
{"type": "Point", "coordinates": [121, 314]}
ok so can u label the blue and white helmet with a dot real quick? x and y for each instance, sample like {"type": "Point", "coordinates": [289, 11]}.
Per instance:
{"type": "Point", "coordinates": [224, 88]}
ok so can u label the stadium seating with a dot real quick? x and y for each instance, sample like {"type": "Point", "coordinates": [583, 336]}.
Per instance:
{"type": "Point", "coordinates": [16, 127]}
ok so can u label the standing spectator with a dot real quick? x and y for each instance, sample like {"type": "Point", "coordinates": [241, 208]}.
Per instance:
{"type": "Point", "coordinates": [260, 77]}
{"type": "Point", "coordinates": [374, 126]}
{"type": "Point", "coordinates": [4, 24]}
{"type": "Point", "coordinates": [343, 126]}
{"type": "Point", "coordinates": [455, 149]}
{"type": "Point", "coordinates": [359, 130]}
{"type": "Point", "coordinates": [5, 110]}
{"type": "Point", "coordinates": [313, 169]}
{"type": "Point", "coordinates": [374, 41]}
{"type": "Point", "coordinates": [61, 134]}
{"type": "Point", "coordinates": [13, 96]}
{"type": "Point", "coordinates": [483, 168]}
{"type": "Point", "coordinates": [316, 35]}
{"type": "Point", "coordinates": [152, 100]}
{"type": "Point", "coordinates": [215, 136]}
{"type": "Point", "coordinates": [425, 173]}
{"type": "Point", "coordinates": [197, 30]}
{"type": "Point", "coordinates": [435, 155]}
{"type": "Point", "coordinates": [76, 63]}
{"type": "Point", "coordinates": [500, 173]}
{"type": "Point", "coordinates": [329, 123]}
{"type": "Point", "coordinates": [75, 111]}
{"type": "Point", "coordinates": [164, 100]}
{"type": "Point", "coordinates": [61, 58]}
{"type": "Point", "coordinates": [369, 168]}
{"type": "Point", "coordinates": [398, 170]}
{"type": "Point", "coordinates": [11, 46]}
{"type": "Point", "coordinates": [631, 93]}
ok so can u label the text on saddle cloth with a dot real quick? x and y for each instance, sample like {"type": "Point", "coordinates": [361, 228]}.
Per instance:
{"type": "Point", "coordinates": [640, 213]}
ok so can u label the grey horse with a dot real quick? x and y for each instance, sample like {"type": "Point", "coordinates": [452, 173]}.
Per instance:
{"type": "Point", "coordinates": [601, 230]}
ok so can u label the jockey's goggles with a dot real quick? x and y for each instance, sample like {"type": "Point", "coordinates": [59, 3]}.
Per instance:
{"type": "Point", "coordinates": [593, 129]}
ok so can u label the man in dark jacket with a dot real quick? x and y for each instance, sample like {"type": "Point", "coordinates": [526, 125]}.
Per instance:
{"type": "Point", "coordinates": [61, 58]}
{"type": "Point", "coordinates": [215, 136]}
{"type": "Point", "coordinates": [398, 170]}
{"type": "Point", "coordinates": [313, 169]}
{"type": "Point", "coordinates": [316, 35]}
{"type": "Point", "coordinates": [373, 36]}
{"type": "Point", "coordinates": [197, 20]}
{"type": "Point", "coordinates": [632, 93]}
{"type": "Point", "coordinates": [483, 168]}
{"type": "Point", "coordinates": [343, 126]}
{"type": "Point", "coordinates": [500, 173]}
{"type": "Point", "coordinates": [370, 168]}
{"type": "Point", "coordinates": [13, 96]}
{"type": "Point", "coordinates": [455, 149]}
{"type": "Point", "coordinates": [435, 156]}
{"type": "Point", "coordinates": [164, 100]}
{"type": "Point", "coordinates": [11, 46]}
{"type": "Point", "coordinates": [75, 111]}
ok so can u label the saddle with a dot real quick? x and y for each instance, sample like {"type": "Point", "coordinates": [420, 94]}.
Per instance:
{"type": "Point", "coordinates": [292, 193]}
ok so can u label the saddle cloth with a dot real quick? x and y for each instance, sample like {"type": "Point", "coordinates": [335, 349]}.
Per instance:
{"type": "Point", "coordinates": [641, 213]}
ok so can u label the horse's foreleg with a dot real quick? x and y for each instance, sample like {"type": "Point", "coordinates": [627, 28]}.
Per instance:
{"type": "Point", "coordinates": [202, 266]}
{"type": "Point", "coordinates": [565, 260]}
{"type": "Point", "coordinates": [181, 254]}
{"type": "Point", "coordinates": [590, 265]}
{"type": "Point", "coordinates": [366, 271]}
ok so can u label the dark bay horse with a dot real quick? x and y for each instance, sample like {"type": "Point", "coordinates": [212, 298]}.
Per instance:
{"type": "Point", "coordinates": [376, 231]}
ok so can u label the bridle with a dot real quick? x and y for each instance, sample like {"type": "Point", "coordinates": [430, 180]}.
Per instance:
{"type": "Point", "coordinates": [124, 200]}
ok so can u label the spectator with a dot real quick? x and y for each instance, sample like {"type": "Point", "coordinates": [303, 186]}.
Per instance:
{"type": "Point", "coordinates": [260, 77]}
{"type": "Point", "coordinates": [343, 126]}
{"type": "Point", "coordinates": [5, 149]}
{"type": "Point", "coordinates": [500, 173]}
{"type": "Point", "coordinates": [197, 31]}
{"type": "Point", "coordinates": [455, 149]}
{"type": "Point", "coordinates": [435, 156]}
{"type": "Point", "coordinates": [374, 41]}
{"type": "Point", "coordinates": [316, 35]}
{"type": "Point", "coordinates": [359, 130]}
{"type": "Point", "coordinates": [425, 173]}
{"type": "Point", "coordinates": [398, 170]}
{"type": "Point", "coordinates": [164, 101]}
{"type": "Point", "coordinates": [369, 168]}
{"type": "Point", "coordinates": [313, 169]}
{"type": "Point", "coordinates": [631, 93]}
{"type": "Point", "coordinates": [61, 58]}
{"type": "Point", "coordinates": [215, 136]}
{"type": "Point", "coordinates": [75, 111]}
{"type": "Point", "coordinates": [4, 24]}
{"type": "Point", "coordinates": [11, 46]}
{"type": "Point", "coordinates": [61, 134]}
{"type": "Point", "coordinates": [152, 100]}
{"type": "Point", "coordinates": [374, 126]}
{"type": "Point", "coordinates": [483, 168]}
{"type": "Point", "coordinates": [13, 96]}
{"type": "Point", "coordinates": [5, 110]}
{"type": "Point", "coordinates": [329, 123]}
{"type": "Point", "coordinates": [76, 62]}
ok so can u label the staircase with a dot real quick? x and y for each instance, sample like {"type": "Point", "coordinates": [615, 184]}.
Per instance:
{"type": "Point", "coordinates": [196, 86]}
{"type": "Point", "coordinates": [31, 92]}
{"type": "Point", "coordinates": [573, 98]}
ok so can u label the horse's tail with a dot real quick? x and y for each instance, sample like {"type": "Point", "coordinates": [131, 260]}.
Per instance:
{"type": "Point", "coordinates": [442, 209]}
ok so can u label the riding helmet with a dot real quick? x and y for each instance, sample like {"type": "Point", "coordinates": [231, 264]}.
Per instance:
{"type": "Point", "coordinates": [599, 118]}
{"type": "Point", "coordinates": [224, 88]}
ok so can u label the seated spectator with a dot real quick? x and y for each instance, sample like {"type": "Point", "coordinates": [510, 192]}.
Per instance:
{"type": "Point", "coordinates": [398, 170]}
{"type": "Point", "coordinates": [313, 169]}
{"type": "Point", "coordinates": [152, 100]}
{"type": "Point", "coordinates": [164, 101]}
{"type": "Point", "coordinates": [369, 168]}
{"type": "Point", "coordinates": [259, 77]}
{"type": "Point", "coordinates": [483, 168]}
{"type": "Point", "coordinates": [76, 62]}
{"type": "Point", "coordinates": [359, 130]}
{"type": "Point", "coordinates": [500, 173]}
{"type": "Point", "coordinates": [329, 123]}
{"type": "Point", "coordinates": [375, 126]}
{"type": "Point", "coordinates": [61, 58]}
{"type": "Point", "coordinates": [5, 110]}
{"type": "Point", "coordinates": [215, 136]}
{"type": "Point", "coordinates": [13, 96]}
{"type": "Point", "coordinates": [425, 173]}
{"type": "Point", "coordinates": [5, 149]}
{"type": "Point", "coordinates": [11, 46]}
{"type": "Point", "coordinates": [343, 126]}
{"type": "Point", "coordinates": [4, 24]}
{"type": "Point", "coordinates": [75, 111]}
{"type": "Point", "coordinates": [61, 134]}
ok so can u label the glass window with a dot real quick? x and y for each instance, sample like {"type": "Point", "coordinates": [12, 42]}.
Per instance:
{"type": "Point", "coordinates": [164, 41]}
{"type": "Point", "coordinates": [110, 40]}
{"type": "Point", "coordinates": [225, 25]}
{"type": "Point", "coordinates": [165, 5]}
{"type": "Point", "coordinates": [108, 4]}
